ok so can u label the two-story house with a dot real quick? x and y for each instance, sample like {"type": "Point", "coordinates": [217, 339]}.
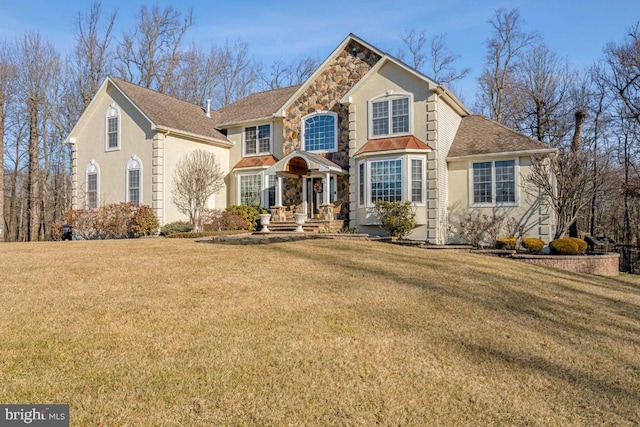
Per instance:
{"type": "Point", "coordinates": [363, 127]}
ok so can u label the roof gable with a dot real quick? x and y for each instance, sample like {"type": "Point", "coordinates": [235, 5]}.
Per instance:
{"type": "Point", "coordinates": [478, 136]}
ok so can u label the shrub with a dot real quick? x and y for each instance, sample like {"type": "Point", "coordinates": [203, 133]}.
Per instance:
{"type": "Point", "coordinates": [564, 246]}
{"type": "Point", "coordinates": [533, 244]}
{"type": "Point", "coordinates": [475, 228]}
{"type": "Point", "coordinates": [249, 213]}
{"type": "Point", "coordinates": [175, 227]}
{"type": "Point", "coordinates": [144, 222]}
{"type": "Point", "coordinates": [506, 242]}
{"type": "Point", "coordinates": [397, 218]}
{"type": "Point", "coordinates": [57, 230]}
{"type": "Point", "coordinates": [582, 245]}
{"type": "Point", "coordinates": [219, 220]}
{"type": "Point", "coordinates": [113, 221]}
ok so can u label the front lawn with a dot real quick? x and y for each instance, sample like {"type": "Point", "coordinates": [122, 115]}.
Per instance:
{"type": "Point", "coordinates": [168, 332]}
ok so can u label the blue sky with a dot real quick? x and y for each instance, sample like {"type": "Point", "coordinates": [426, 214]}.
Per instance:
{"type": "Point", "coordinates": [576, 30]}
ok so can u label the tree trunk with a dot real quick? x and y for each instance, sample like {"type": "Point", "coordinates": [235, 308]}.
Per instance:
{"type": "Point", "coordinates": [575, 145]}
{"type": "Point", "coordinates": [33, 217]}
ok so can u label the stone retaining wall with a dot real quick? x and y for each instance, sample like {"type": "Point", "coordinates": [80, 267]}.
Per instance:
{"type": "Point", "coordinates": [602, 265]}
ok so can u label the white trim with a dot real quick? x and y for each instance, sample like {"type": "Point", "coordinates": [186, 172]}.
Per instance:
{"type": "Point", "coordinates": [388, 97]}
{"type": "Point", "coordinates": [92, 168]}
{"type": "Point", "coordinates": [134, 163]}
{"type": "Point", "coordinates": [423, 160]}
{"type": "Point", "coordinates": [493, 203]}
{"type": "Point", "coordinates": [239, 187]}
{"type": "Point", "coordinates": [303, 121]}
{"type": "Point", "coordinates": [257, 153]}
{"type": "Point", "coordinates": [112, 113]}
{"type": "Point", "coordinates": [504, 154]}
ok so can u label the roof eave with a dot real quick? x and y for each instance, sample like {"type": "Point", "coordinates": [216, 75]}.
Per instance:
{"type": "Point", "coordinates": [394, 151]}
{"type": "Point", "coordinates": [193, 136]}
{"type": "Point", "coordinates": [227, 125]}
{"type": "Point", "coordinates": [520, 153]}
{"type": "Point", "coordinates": [452, 100]}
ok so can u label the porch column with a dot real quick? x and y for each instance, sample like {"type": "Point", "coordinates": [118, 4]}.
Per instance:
{"type": "Point", "coordinates": [304, 194]}
{"type": "Point", "coordinates": [279, 191]}
{"type": "Point", "coordinates": [327, 187]}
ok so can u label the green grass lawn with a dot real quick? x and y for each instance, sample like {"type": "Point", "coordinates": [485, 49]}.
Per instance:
{"type": "Point", "coordinates": [169, 332]}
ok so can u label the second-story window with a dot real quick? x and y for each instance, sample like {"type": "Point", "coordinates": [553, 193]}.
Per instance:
{"type": "Point", "coordinates": [257, 140]}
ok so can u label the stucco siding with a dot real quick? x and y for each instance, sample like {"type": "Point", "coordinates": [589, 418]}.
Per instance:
{"type": "Point", "coordinates": [175, 150]}
{"type": "Point", "coordinates": [531, 211]}
{"type": "Point", "coordinates": [135, 139]}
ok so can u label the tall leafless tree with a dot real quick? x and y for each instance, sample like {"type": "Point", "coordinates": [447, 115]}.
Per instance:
{"type": "Point", "coordinates": [504, 48]}
{"type": "Point", "coordinates": [150, 54]}
{"type": "Point", "coordinates": [7, 87]}
{"type": "Point", "coordinates": [283, 74]}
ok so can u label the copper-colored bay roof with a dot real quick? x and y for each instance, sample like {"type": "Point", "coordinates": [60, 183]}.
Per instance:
{"type": "Point", "coordinates": [168, 112]}
{"type": "Point", "coordinates": [256, 161]}
{"type": "Point", "coordinates": [254, 106]}
{"type": "Point", "coordinates": [408, 142]}
{"type": "Point", "coordinates": [479, 135]}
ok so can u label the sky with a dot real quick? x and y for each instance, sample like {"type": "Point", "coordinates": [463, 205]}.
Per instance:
{"type": "Point", "coordinates": [577, 30]}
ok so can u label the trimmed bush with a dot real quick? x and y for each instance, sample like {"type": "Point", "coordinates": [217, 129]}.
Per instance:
{"type": "Point", "coordinates": [144, 222]}
{"type": "Point", "coordinates": [397, 218]}
{"type": "Point", "coordinates": [582, 245]}
{"type": "Point", "coordinates": [533, 244]}
{"type": "Point", "coordinates": [219, 220]}
{"type": "Point", "coordinates": [564, 246]}
{"type": "Point", "coordinates": [249, 213]}
{"type": "Point", "coordinates": [506, 242]}
{"type": "Point", "coordinates": [175, 227]}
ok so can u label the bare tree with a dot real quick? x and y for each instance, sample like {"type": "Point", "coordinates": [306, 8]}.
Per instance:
{"type": "Point", "coordinates": [281, 74]}
{"type": "Point", "coordinates": [7, 87]}
{"type": "Point", "coordinates": [149, 55]}
{"type": "Point", "coordinates": [197, 76]}
{"type": "Point", "coordinates": [92, 54]}
{"type": "Point", "coordinates": [504, 47]}
{"type": "Point", "coordinates": [237, 73]}
{"type": "Point", "coordinates": [197, 177]}
{"type": "Point", "coordinates": [438, 63]}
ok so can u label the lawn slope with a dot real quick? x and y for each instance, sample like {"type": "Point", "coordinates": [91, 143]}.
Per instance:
{"type": "Point", "coordinates": [164, 332]}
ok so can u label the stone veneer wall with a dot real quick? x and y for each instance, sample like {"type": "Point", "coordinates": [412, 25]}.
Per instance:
{"type": "Point", "coordinates": [339, 76]}
{"type": "Point", "coordinates": [602, 265]}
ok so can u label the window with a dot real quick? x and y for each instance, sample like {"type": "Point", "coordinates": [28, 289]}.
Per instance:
{"type": "Point", "coordinates": [417, 168]}
{"type": "Point", "coordinates": [361, 183]}
{"type": "Point", "coordinates": [257, 140]}
{"type": "Point", "coordinates": [271, 190]}
{"type": "Point", "coordinates": [390, 116]}
{"type": "Point", "coordinates": [320, 132]}
{"type": "Point", "coordinates": [250, 189]}
{"type": "Point", "coordinates": [134, 183]}
{"type": "Point", "coordinates": [91, 189]}
{"type": "Point", "coordinates": [113, 128]}
{"type": "Point", "coordinates": [494, 182]}
{"type": "Point", "coordinates": [386, 180]}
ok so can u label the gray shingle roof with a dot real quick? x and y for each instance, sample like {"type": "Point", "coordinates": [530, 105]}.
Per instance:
{"type": "Point", "coordinates": [168, 112]}
{"type": "Point", "coordinates": [254, 106]}
{"type": "Point", "coordinates": [479, 135]}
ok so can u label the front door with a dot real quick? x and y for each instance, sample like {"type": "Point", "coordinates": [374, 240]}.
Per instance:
{"type": "Point", "coordinates": [315, 195]}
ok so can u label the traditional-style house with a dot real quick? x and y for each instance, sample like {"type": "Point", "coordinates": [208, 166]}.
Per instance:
{"type": "Point", "coordinates": [363, 127]}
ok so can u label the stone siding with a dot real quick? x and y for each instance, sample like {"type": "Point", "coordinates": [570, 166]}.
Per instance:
{"type": "Point", "coordinates": [602, 265]}
{"type": "Point", "coordinates": [323, 94]}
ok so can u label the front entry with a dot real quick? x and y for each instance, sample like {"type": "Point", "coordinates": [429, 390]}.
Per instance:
{"type": "Point", "coordinates": [315, 195]}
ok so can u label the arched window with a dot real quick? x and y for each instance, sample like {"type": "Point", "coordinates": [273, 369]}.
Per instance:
{"type": "Point", "coordinates": [92, 182]}
{"type": "Point", "coordinates": [113, 128]}
{"type": "Point", "coordinates": [320, 132]}
{"type": "Point", "coordinates": [134, 180]}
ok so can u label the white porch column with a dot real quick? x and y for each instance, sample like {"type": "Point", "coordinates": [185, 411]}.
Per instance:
{"type": "Point", "coordinates": [304, 194]}
{"type": "Point", "coordinates": [279, 191]}
{"type": "Point", "coordinates": [327, 188]}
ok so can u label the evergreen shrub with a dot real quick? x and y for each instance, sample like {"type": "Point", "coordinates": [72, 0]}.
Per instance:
{"type": "Point", "coordinates": [564, 246]}
{"type": "Point", "coordinates": [506, 242]}
{"type": "Point", "coordinates": [582, 245]}
{"type": "Point", "coordinates": [533, 244]}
